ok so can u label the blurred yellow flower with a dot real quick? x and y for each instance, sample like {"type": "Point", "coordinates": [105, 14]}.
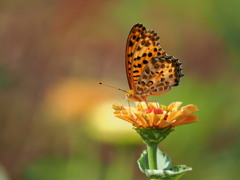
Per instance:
{"type": "Point", "coordinates": [102, 126]}
{"type": "Point", "coordinates": [150, 115]}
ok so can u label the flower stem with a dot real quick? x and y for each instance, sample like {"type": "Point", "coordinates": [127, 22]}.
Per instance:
{"type": "Point", "coordinates": [152, 155]}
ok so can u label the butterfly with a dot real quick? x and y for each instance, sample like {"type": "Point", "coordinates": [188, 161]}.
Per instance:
{"type": "Point", "coordinates": [150, 71]}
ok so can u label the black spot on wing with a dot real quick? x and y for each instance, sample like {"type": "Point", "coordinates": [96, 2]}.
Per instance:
{"type": "Point", "coordinates": [130, 43]}
{"type": "Point", "coordinates": [145, 61]}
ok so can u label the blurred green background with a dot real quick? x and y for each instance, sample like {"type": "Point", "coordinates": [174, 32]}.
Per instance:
{"type": "Point", "coordinates": [56, 122]}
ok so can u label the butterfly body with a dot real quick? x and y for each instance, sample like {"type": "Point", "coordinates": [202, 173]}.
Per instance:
{"type": "Point", "coordinates": [150, 71]}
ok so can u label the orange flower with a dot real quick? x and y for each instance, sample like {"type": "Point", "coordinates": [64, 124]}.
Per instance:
{"type": "Point", "coordinates": [150, 115]}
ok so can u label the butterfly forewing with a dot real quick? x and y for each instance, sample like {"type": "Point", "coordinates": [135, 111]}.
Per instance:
{"type": "Point", "coordinates": [132, 41]}
{"type": "Point", "coordinates": [142, 45]}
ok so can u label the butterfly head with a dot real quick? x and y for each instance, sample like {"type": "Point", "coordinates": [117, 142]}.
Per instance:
{"type": "Point", "coordinates": [135, 97]}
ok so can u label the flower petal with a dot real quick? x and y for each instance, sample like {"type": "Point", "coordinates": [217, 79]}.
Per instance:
{"type": "Point", "coordinates": [163, 124]}
{"type": "Point", "coordinates": [174, 106]}
{"type": "Point", "coordinates": [142, 119]}
{"type": "Point", "coordinates": [186, 120]}
{"type": "Point", "coordinates": [190, 107]}
{"type": "Point", "coordinates": [177, 115]}
{"type": "Point", "coordinates": [153, 105]}
{"type": "Point", "coordinates": [125, 118]}
{"type": "Point", "coordinates": [172, 115]}
{"type": "Point", "coordinates": [141, 106]}
{"type": "Point", "coordinates": [150, 118]}
{"type": "Point", "coordinates": [118, 107]}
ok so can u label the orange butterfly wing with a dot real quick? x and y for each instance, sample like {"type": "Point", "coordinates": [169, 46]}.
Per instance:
{"type": "Point", "coordinates": [150, 71]}
{"type": "Point", "coordinates": [132, 41]}
{"type": "Point", "coordinates": [159, 75]}
{"type": "Point", "coordinates": [141, 46]}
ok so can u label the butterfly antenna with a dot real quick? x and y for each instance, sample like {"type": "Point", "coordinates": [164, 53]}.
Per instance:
{"type": "Point", "coordinates": [112, 87]}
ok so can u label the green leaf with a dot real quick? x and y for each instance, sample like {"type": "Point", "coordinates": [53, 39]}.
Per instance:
{"type": "Point", "coordinates": [165, 171]}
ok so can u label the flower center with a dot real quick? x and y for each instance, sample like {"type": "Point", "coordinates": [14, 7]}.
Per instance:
{"type": "Point", "coordinates": [156, 111]}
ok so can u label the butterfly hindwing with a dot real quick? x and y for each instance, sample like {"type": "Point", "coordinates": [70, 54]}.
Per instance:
{"type": "Point", "coordinates": [159, 75]}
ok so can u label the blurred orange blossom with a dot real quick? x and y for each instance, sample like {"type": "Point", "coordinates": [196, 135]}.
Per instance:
{"type": "Point", "coordinates": [71, 98]}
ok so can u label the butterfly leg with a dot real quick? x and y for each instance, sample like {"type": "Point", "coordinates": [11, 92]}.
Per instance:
{"type": "Point", "coordinates": [147, 104]}
{"type": "Point", "coordinates": [143, 96]}
{"type": "Point", "coordinates": [124, 101]}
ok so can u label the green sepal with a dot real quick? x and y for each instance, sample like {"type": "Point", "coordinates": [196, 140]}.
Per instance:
{"type": "Point", "coordinates": [164, 170]}
{"type": "Point", "coordinates": [150, 136]}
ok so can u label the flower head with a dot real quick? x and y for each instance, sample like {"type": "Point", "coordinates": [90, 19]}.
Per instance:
{"type": "Point", "coordinates": [152, 115]}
